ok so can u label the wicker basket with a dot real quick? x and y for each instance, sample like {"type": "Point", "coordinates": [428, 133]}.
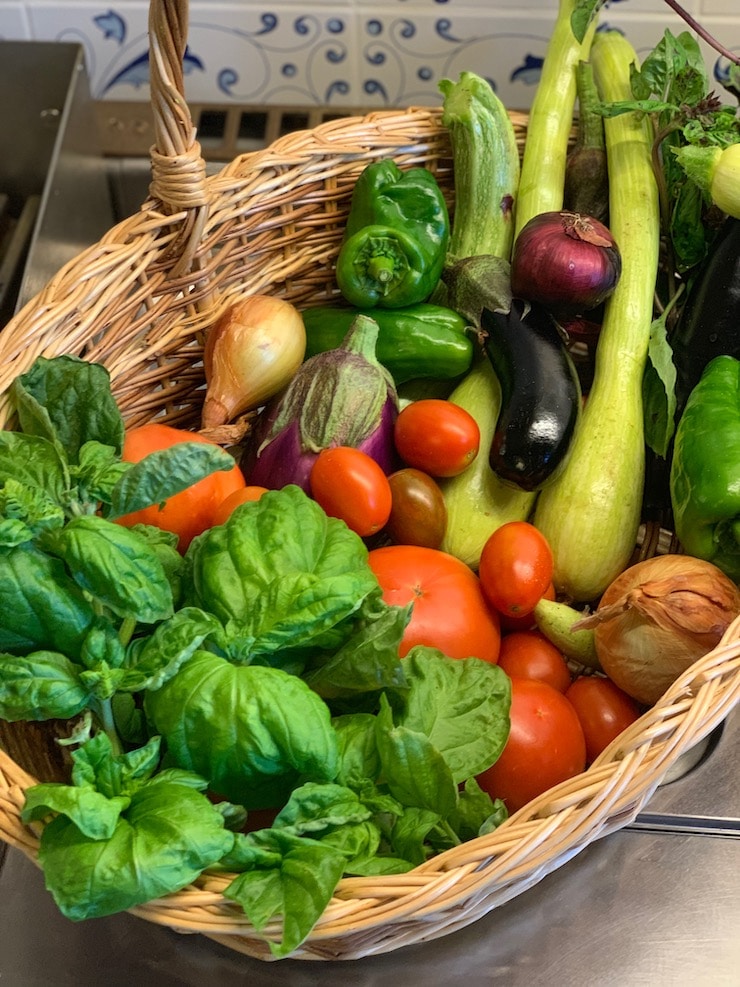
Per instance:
{"type": "Point", "coordinates": [138, 301]}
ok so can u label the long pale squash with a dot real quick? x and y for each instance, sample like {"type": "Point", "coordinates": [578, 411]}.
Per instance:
{"type": "Point", "coordinates": [542, 178]}
{"type": "Point", "coordinates": [591, 512]}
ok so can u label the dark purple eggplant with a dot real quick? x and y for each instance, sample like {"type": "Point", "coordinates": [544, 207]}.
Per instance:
{"type": "Point", "coordinates": [540, 394]}
{"type": "Point", "coordinates": [709, 323]}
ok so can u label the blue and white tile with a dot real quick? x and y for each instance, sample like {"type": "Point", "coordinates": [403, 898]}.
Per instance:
{"type": "Point", "coordinates": [236, 51]}
{"type": "Point", "coordinates": [403, 58]}
{"type": "Point", "coordinates": [14, 24]}
{"type": "Point", "coordinates": [276, 54]}
{"type": "Point", "coordinates": [114, 39]}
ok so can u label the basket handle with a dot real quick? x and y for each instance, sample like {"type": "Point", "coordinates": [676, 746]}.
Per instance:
{"type": "Point", "coordinates": [178, 168]}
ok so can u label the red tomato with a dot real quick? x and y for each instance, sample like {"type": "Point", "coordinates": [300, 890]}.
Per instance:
{"type": "Point", "coordinates": [418, 509]}
{"type": "Point", "coordinates": [191, 511]}
{"type": "Point", "coordinates": [350, 485]}
{"type": "Point", "coordinates": [603, 709]}
{"type": "Point", "coordinates": [545, 746]}
{"type": "Point", "coordinates": [515, 568]}
{"type": "Point", "coordinates": [449, 611]}
{"type": "Point", "coordinates": [526, 622]}
{"type": "Point", "coordinates": [436, 436]}
{"type": "Point", "coordinates": [529, 655]}
{"type": "Point", "coordinates": [243, 496]}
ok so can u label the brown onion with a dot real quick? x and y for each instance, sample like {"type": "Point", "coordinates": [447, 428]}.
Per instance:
{"type": "Point", "coordinates": [566, 261]}
{"type": "Point", "coordinates": [657, 618]}
{"type": "Point", "coordinates": [251, 353]}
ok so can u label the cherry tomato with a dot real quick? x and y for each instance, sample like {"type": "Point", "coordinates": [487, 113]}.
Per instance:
{"type": "Point", "coordinates": [191, 511]}
{"type": "Point", "coordinates": [545, 746]}
{"type": "Point", "coordinates": [227, 506]}
{"type": "Point", "coordinates": [418, 509]}
{"type": "Point", "coordinates": [449, 611]}
{"type": "Point", "coordinates": [529, 655]}
{"type": "Point", "coordinates": [515, 568]}
{"type": "Point", "coordinates": [436, 436]}
{"type": "Point", "coordinates": [350, 485]}
{"type": "Point", "coordinates": [603, 709]}
{"type": "Point", "coordinates": [526, 622]}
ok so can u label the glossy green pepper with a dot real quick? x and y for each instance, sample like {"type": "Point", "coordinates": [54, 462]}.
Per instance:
{"type": "Point", "coordinates": [705, 468]}
{"type": "Point", "coordinates": [396, 237]}
{"type": "Point", "coordinates": [419, 341]}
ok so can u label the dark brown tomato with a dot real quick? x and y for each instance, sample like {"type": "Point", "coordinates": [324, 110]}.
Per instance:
{"type": "Point", "coordinates": [418, 510]}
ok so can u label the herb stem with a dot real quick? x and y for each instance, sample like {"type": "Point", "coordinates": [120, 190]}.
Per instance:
{"type": "Point", "coordinates": [104, 712]}
{"type": "Point", "coordinates": [126, 630]}
{"type": "Point", "coordinates": [444, 827]}
{"type": "Point", "coordinates": [702, 32]}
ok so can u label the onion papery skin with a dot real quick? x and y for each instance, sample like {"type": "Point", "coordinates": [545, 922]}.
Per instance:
{"type": "Point", "coordinates": [657, 618]}
{"type": "Point", "coordinates": [566, 261]}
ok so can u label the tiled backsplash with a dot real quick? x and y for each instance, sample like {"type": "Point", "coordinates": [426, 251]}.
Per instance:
{"type": "Point", "coordinates": [343, 52]}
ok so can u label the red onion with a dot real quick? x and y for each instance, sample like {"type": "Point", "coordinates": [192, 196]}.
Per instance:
{"type": "Point", "coordinates": [565, 261]}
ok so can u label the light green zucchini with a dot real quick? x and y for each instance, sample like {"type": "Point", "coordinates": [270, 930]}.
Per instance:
{"type": "Point", "coordinates": [478, 501]}
{"type": "Point", "coordinates": [590, 513]}
{"type": "Point", "coordinates": [486, 158]}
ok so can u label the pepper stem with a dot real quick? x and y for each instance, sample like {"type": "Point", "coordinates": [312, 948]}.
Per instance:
{"type": "Point", "coordinates": [381, 268]}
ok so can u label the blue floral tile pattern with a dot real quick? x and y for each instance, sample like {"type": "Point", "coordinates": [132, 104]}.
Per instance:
{"type": "Point", "coordinates": [342, 54]}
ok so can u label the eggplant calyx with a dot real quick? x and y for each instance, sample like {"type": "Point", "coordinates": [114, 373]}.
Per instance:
{"type": "Point", "coordinates": [478, 283]}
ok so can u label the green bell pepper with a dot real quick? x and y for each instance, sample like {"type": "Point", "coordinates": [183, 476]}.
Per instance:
{"type": "Point", "coordinates": [396, 237]}
{"type": "Point", "coordinates": [705, 468]}
{"type": "Point", "coordinates": [419, 341]}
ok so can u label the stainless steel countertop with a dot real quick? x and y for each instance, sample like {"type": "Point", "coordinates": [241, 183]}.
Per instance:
{"type": "Point", "coordinates": [635, 909]}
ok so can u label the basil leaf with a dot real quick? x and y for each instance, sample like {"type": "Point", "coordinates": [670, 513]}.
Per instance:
{"type": "Point", "coordinates": [116, 566]}
{"type": "Point", "coordinates": [27, 513]}
{"type": "Point", "coordinates": [43, 685]}
{"type": "Point", "coordinates": [165, 838]}
{"type": "Point", "coordinates": [250, 730]}
{"type": "Point", "coordinates": [98, 472]}
{"type": "Point", "coordinates": [659, 390]}
{"type": "Point", "coordinates": [368, 661]}
{"type": "Point", "coordinates": [476, 812]}
{"type": "Point", "coordinates": [33, 461]}
{"type": "Point", "coordinates": [95, 815]}
{"type": "Point", "coordinates": [69, 401]}
{"type": "Point", "coordinates": [358, 751]}
{"type": "Point", "coordinates": [414, 770]}
{"type": "Point", "coordinates": [410, 832]}
{"type": "Point", "coordinates": [313, 808]}
{"type": "Point", "coordinates": [96, 766]}
{"type": "Point", "coordinates": [164, 473]}
{"type": "Point", "coordinates": [40, 606]}
{"type": "Point", "coordinates": [153, 660]}
{"type": "Point", "coordinates": [461, 705]}
{"type": "Point", "coordinates": [584, 12]}
{"type": "Point", "coordinates": [299, 887]}
{"type": "Point", "coordinates": [279, 573]}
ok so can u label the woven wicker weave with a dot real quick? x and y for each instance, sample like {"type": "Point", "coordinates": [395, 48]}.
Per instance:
{"type": "Point", "coordinates": [138, 301]}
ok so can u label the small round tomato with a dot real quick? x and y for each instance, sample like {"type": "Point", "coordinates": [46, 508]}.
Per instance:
{"type": "Point", "coordinates": [191, 511]}
{"type": "Point", "coordinates": [515, 568]}
{"type": "Point", "coordinates": [545, 745]}
{"type": "Point", "coordinates": [526, 621]}
{"type": "Point", "coordinates": [529, 655]}
{"type": "Point", "coordinates": [348, 484]}
{"type": "Point", "coordinates": [449, 612]}
{"type": "Point", "coordinates": [244, 496]}
{"type": "Point", "coordinates": [603, 709]}
{"type": "Point", "coordinates": [418, 509]}
{"type": "Point", "coordinates": [436, 436]}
